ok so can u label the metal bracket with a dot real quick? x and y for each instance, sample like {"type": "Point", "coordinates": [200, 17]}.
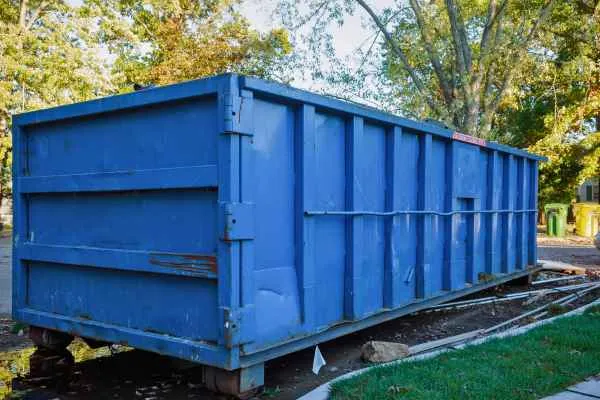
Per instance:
{"type": "Point", "coordinates": [237, 221]}
{"type": "Point", "coordinates": [238, 113]}
{"type": "Point", "coordinates": [238, 326]}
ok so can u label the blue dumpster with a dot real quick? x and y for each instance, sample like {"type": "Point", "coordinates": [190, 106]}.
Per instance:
{"type": "Point", "coordinates": [231, 220]}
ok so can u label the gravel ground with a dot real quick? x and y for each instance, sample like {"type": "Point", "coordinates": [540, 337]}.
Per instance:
{"type": "Point", "coordinates": [571, 249]}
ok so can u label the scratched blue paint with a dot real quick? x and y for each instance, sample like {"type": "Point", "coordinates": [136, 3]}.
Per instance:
{"type": "Point", "coordinates": [231, 220]}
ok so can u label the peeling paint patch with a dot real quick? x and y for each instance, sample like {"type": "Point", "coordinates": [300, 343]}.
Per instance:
{"type": "Point", "coordinates": [200, 263]}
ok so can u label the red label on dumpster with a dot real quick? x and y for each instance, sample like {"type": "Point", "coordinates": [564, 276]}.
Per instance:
{"type": "Point", "coordinates": [468, 139]}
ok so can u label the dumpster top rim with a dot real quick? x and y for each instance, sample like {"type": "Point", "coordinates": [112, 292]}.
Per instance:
{"type": "Point", "coordinates": [212, 85]}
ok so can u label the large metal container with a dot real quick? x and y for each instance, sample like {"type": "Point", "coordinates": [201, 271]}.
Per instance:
{"type": "Point", "coordinates": [231, 220]}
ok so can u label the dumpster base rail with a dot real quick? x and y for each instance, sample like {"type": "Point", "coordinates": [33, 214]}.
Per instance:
{"type": "Point", "coordinates": [241, 380]}
{"type": "Point", "coordinates": [348, 327]}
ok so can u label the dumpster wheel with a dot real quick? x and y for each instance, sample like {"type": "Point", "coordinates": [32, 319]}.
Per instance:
{"type": "Point", "coordinates": [51, 357]}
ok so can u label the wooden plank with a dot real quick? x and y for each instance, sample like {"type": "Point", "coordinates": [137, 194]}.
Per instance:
{"type": "Point", "coordinates": [434, 344]}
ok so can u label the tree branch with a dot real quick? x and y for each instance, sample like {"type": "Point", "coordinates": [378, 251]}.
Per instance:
{"type": "Point", "coordinates": [489, 75]}
{"type": "Point", "coordinates": [36, 14]}
{"type": "Point", "coordinates": [433, 57]}
{"type": "Point", "coordinates": [400, 54]}
{"type": "Point", "coordinates": [587, 7]}
{"type": "Point", "coordinates": [23, 14]}
{"type": "Point", "coordinates": [521, 47]}
{"type": "Point", "coordinates": [494, 18]}
{"type": "Point", "coordinates": [461, 45]}
{"type": "Point", "coordinates": [316, 11]}
{"type": "Point", "coordinates": [493, 15]}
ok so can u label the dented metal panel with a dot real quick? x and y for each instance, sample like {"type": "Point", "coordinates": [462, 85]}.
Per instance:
{"type": "Point", "coordinates": [231, 220]}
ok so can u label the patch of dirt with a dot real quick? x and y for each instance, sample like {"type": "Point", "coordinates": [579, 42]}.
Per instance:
{"type": "Point", "coordinates": [292, 375]}
{"type": "Point", "coordinates": [12, 336]}
{"type": "Point", "coordinates": [571, 249]}
{"type": "Point", "coordinates": [568, 240]}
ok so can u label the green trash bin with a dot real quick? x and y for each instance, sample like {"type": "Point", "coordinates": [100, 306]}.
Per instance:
{"type": "Point", "coordinates": [556, 219]}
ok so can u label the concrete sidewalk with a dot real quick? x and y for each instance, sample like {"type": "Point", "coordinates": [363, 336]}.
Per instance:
{"type": "Point", "coordinates": [5, 275]}
{"type": "Point", "coordinates": [589, 389]}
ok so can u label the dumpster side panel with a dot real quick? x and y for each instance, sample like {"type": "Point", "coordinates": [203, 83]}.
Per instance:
{"type": "Point", "coordinates": [384, 216]}
{"type": "Point", "coordinates": [276, 282]}
{"type": "Point", "coordinates": [138, 139]}
{"type": "Point", "coordinates": [439, 171]}
{"type": "Point", "coordinates": [231, 220]}
{"type": "Point", "coordinates": [481, 226]}
{"type": "Point", "coordinates": [370, 245]}
{"type": "Point", "coordinates": [327, 256]}
{"type": "Point", "coordinates": [405, 227]}
{"type": "Point", "coordinates": [118, 224]}
{"type": "Point", "coordinates": [533, 204]}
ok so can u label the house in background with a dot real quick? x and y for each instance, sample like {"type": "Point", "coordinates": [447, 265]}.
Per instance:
{"type": "Point", "coordinates": [589, 191]}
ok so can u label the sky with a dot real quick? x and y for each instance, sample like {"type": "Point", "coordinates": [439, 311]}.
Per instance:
{"type": "Point", "coordinates": [347, 38]}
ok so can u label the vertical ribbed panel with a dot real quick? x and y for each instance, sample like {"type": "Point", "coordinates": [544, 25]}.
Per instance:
{"type": "Point", "coordinates": [508, 264]}
{"type": "Point", "coordinates": [354, 256]}
{"type": "Point", "coordinates": [306, 174]}
{"type": "Point", "coordinates": [533, 190]}
{"type": "Point", "coordinates": [493, 203]}
{"type": "Point", "coordinates": [424, 200]}
{"type": "Point", "coordinates": [448, 282]}
{"type": "Point", "coordinates": [21, 204]}
{"type": "Point", "coordinates": [393, 274]}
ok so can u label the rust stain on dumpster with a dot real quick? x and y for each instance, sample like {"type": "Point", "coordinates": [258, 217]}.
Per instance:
{"type": "Point", "coordinates": [201, 263]}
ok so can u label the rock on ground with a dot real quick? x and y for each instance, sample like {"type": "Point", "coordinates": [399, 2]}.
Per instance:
{"type": "Point", "coordinates": [377, 352]}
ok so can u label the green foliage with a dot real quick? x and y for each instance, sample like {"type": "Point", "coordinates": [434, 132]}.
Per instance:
{"type": "Point", "coordinates": [530, 366]}
{"type": "Point", "coordinates": [47, 57]}
{"type": "Point", "coordinates": [554, 110]}
{"type": "Point", "coordinates": [530, 77]}
{"type": "Point", "coordinates": [161, 42]}
{"type": "Point", "coordinates": [52, 52]}
{"type": "Point", "coordinates": [450, 60]}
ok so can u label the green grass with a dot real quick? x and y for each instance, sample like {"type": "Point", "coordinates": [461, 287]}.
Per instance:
{"type": "Point", "coordinates": [530, 366]}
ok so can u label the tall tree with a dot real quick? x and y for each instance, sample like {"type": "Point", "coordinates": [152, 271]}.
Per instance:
{"type": "Point", "coordinates": [555, 107]}
{"type": "Point", "coordinates": [452, 60]}
{"type": "Point", "coordinates": [46, 58]}
{"type": "Point", "coordinates": [55, 52]}
{"type": "Point", "coordinates": [177, 40]}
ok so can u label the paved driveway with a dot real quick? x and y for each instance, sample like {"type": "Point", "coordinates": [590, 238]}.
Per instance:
{"type": "Point", "coordinates": [5, 275]}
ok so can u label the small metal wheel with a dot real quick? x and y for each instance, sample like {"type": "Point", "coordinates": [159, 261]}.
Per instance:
{"type": "Point", "coordinates": [244, 383]}
{"type": "Point", "coordinates": [49, 339]}
{"type": "Point", "coordinates": [50, 363]}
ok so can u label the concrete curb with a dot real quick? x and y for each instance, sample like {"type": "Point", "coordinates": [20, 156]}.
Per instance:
{"type": "Point", "coordinates": [322, 392]}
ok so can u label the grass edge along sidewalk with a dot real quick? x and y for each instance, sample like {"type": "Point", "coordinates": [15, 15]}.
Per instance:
{"type": "Point", "coordinates": [538, 363]}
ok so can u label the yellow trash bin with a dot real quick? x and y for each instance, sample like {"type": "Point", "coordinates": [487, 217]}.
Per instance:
{"type": "Point", "coordinates": [587, 219]}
